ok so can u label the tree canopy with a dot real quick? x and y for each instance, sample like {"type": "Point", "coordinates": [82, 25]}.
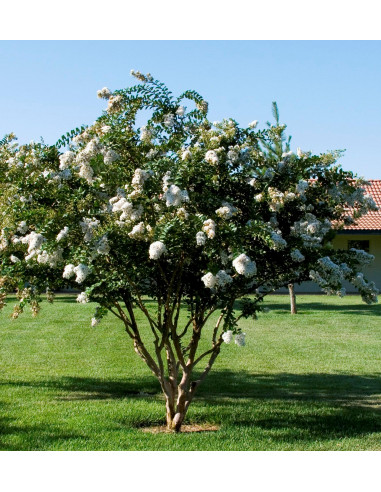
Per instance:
{"type": "Point", "coordinates": [195, 214]}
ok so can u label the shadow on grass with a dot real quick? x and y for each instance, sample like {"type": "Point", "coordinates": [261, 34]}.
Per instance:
{"type": "Point", "coordinates": [304, 306]}
{"type": "Point", "coordinates": [29, 437]}
{"type": "Point", "coordinates": [291, 408]}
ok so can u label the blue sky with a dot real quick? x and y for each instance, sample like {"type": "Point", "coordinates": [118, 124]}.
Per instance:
{"type": "Point", "coordinates": [328, 92]}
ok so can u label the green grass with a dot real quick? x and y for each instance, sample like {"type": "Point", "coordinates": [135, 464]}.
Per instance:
{"type": "Point", "coordinates": [305, 382]}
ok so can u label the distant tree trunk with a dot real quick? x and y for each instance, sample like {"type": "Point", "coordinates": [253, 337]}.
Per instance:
{"type": "Point", "coordinates": [292, 298]}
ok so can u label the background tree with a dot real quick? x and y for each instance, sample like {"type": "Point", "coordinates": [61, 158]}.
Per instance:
{"type": "Point", "coordinates": [207, 217]}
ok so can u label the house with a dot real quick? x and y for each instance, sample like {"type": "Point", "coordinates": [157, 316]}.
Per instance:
{"type": "Point", "coordinates": [366, 235]}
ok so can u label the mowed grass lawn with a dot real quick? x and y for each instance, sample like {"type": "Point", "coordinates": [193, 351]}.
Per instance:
{"type": "Point", "coordinates": [305, 382]}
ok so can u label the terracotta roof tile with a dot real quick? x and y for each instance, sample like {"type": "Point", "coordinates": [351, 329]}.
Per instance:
{"type": "Point", "coordinates": [372, 220]}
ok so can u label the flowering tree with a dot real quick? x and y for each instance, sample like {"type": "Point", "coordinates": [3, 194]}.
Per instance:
{"type": "Point", "coordinates": [193, 214]}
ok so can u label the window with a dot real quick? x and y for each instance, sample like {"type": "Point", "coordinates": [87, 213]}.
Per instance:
{"type": "Point", "coordinates": [362, 244]}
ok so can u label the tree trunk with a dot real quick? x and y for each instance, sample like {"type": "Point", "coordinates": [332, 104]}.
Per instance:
{"type": "Point", "coordinates": [176, 410]}
{"type": "Point", "coordinates": [292, 298]}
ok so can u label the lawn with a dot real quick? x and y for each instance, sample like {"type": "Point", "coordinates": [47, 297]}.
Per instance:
{"type": "Point", "coordinates": [305, 382]}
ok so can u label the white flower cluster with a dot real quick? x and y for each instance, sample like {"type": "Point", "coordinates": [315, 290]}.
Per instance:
{"type": "Point", "coordinates": [88, 226]}
{"type": "Point", "coordinates": [156, 250]}
{"type": "Point", "coordinates": [81, 272]}
{"type": "Point", "coordinates": [220, 280]}
{"type": "Point", "coordinates": [244, 266]}
{"type": "Point", "coordinates": [34, 242]}
{"type": "Point", "coordinates": [368, 290]}
{"type": "Point", "coordinates": [278, 243]}
{"type": "Point", "coordinates": [279, 198]}
{"type": "Point", "coordinates": [239, 339]}
{"type": "Point", "coordinates": [62, 234]}
{"type": "Point", "coordinates": [174, 196]}
{"type": "Point", "coordinates": [311, 230]}
{"type": "Point", "coordinates": [109, 156]}
{"type": "Point", "coordinates": [296, 255]}
{"type": "Point", "coordinates": [200, 238]}
{"type": "Point", "coordinates": [186, 155]}
{"type": "Point", "coordinates": [102, 246]}
{"type": "Point", "coordinates": [66, 159]}
{"type": "Point", "coordinates": [362, 256]}
{"type": "Point", "coordinates": [226, 211]}
{"type": "Point", "coordinates": [83, 298]}
{"type": "Point", "coordinates": [22, 227]}
{"type": "Point", "coordinates": [129, 213]}
{"type": "Point", "coordinates": [180, 111]}
{"type": "Point", "coordinates": [146, 134]}
{"type": "Point", "coordinates": [169, 120]}
{"type": "Point", "coordinates": [139, 178]}
{"type": "Point", "coordinates": [3, 241]}
{"type": "Point", "coordinates": [141, 231]}
{"type": "Point", "coordinates": [211, 157]}
{"type": "Point", "coordinates": [209, 227]}
{"type": "Point", "coordinates": [302, 186]}
{"type": "Point", "coordinates": [227, 336]}
{"type": "Point", "coordinates": [104, 93]}
{"type": "Point", "coordinates": [114, 104]}
{"type": "Point", "coordinates": [51, 259]}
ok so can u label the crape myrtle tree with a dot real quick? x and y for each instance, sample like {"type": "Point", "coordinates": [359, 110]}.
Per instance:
{"type": "Point", "coordinates": [205, 217]}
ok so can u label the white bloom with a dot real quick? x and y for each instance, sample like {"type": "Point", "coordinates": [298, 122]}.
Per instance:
{"type": "Point", "coordinates": [50, 259]}
{"type": "Point", "coordinates": [244, 266]}
{"type": "Point", "coordinates": [296, 255]}
{"type": "Point", "coordinates": [211, 157]}
{"type": "Point", "coordinates": [209, 227]}
{"type": "Point", "coordinates": [301, 186]}
{"type": "Point", "coordinates": [102, 247]}
{"type": "Point", "coordinates": [68, 271]}
{"type": "Point", "coordinates": [174, 196]}
{"type": "Point", "coordinates": [209, 280]}
{"type": "Point", "coordinates": [66, 159]}
{"type": "Point", "coordinates": [114, 104]}
{"type": "Point", "coordinates": [86, 172]}
{"type": "Point", "coordinates": [34, 241]}
{"type": "Point", "coordinates": [88, 226]}
{"type": "Point", "coordinates": [186, 155]}
{"type": "Point", "coordinates": [240, 339]}
{"type": "Point", "coordinates": [110, 156]}
{"type": "Point", "coordinates": [105, 129]}
{"type": "Point", "coordinates": [227, 337]}
{"type": "Point", "coordinates": [81, 271]}
{"type": "Point", "coordinates": [22, 228]}
{"type": "Point", "coordinates": [104, 93]}
{"type": "Point", "coordinates": [253, 124]}
{"type": "Point", "coordinates": [169, 120]}
{"type": "Point", "coordinates": [182, 213]}
{"type": "Point", "coordinates": [14, 259]}
{"type": "Point", "coordinates": [223, 279]}
{"type": "Point", "coordinates": [83, 298]}
{"type": "Point", "coordinates": [145, 134]}
{"type": "Point", "coordinates": [226, 211]}
{"type": "Point", "coordinates": [138, 231]}
{"type": "Point", "coordinates": [180, 111]}
{"type": "Point", "coordinates": [157, 249]}
{"type": "Point", "coordinates": [139, 178]}
{"type": "Point", "coordinates": [253, 182]}
{"type": "Point", "coordinates": [62, 234]}
{"type": "Point", "coordinates": [200, 238]}
{"type": "Point", "coordinates": [65, 174]}
{"type": "Point", "coordinates": [278, 242]}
